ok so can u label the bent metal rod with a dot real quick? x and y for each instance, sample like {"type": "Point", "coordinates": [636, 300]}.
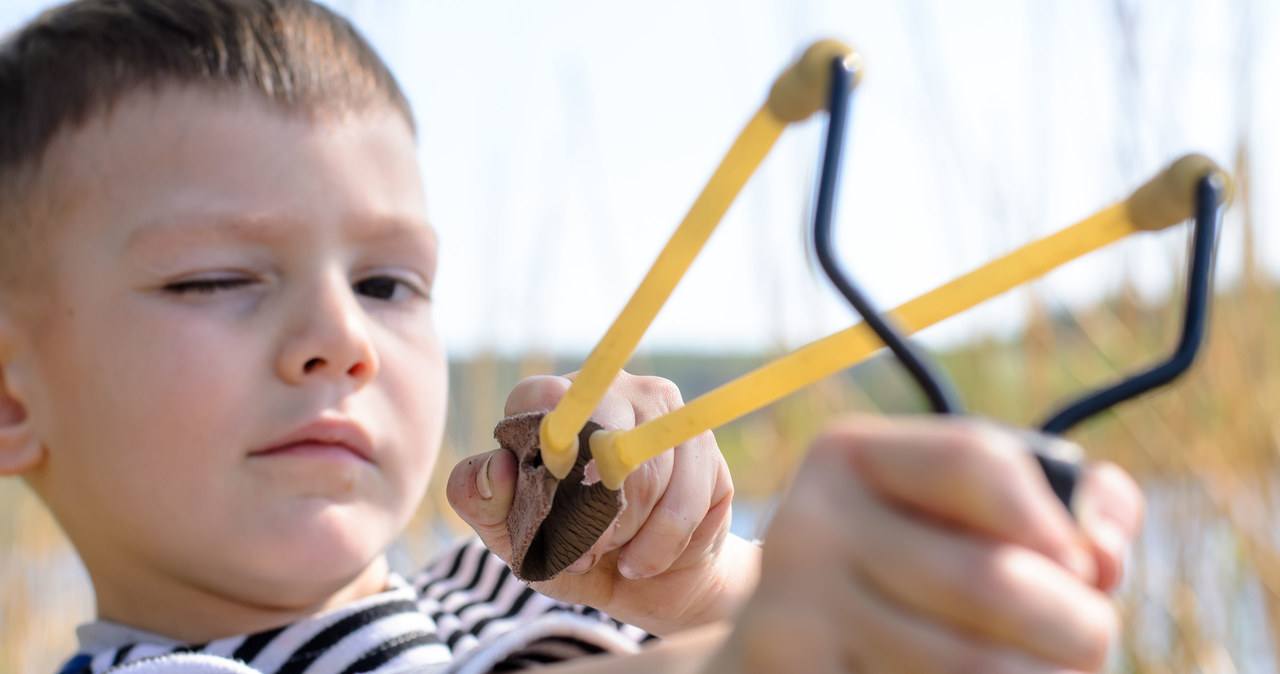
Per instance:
{"type": "Point", "coordinates": [798, 92]}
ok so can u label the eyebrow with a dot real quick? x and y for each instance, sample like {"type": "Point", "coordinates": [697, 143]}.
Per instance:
{"type": "Point", "coordinates": [195, 228]}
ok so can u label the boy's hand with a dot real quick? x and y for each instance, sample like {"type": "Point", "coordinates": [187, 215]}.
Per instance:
{"type": "Point", "coordinates": [934, 547]}
{"type": "Point", "coordinates": [668, 562]}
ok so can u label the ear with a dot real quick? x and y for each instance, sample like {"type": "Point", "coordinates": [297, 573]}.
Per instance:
{"type": "Point", "coordinates": [20, 449]}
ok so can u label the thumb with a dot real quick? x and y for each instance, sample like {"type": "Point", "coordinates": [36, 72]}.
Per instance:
{"type": "Point", "coordinates": [1109, 509]}
{"type": "Point", "coordinates": [480, 490]}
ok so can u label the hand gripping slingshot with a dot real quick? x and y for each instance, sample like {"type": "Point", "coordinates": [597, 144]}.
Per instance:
{"type": "Point", "coordinates": [556, 516]}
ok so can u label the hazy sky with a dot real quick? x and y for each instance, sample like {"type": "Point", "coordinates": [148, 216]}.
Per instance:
{"type": "Point", "coordinates": [562, 142]}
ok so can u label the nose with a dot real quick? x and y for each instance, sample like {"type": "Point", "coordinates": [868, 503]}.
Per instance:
{"type": "Point", "coordinates": [328, 337]}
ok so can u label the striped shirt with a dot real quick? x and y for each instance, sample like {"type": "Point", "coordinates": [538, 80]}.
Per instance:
{"type": "Point", "coordinates": [465, 613]}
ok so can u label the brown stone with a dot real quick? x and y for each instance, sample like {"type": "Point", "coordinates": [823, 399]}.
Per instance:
{"type": "Point", "coordinates": [552, 523]}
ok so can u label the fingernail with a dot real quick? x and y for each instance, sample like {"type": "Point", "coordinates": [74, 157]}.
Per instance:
{"type": "Point", "coordinates": [1083, 565]}
{"type": "Point", "coordinates": [584, 564]}
{"type": "Point", "coordinates": [483, 484]}
{"type": "Point", "coordinates": [1107, 536]}
{"type": "Point", "coordinates": [628, 571]}
{"type": "Point", "coordinates": [1104, 531]}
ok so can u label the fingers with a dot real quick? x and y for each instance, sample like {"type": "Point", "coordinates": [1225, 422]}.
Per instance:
{"type": "Point", "coordinates": [998, 592]}
{"type": "Point", "coordinates": [683, 507]}
{"type": "Point", "coordinates": [480, 489]}
{"type": "Point", "coordinates": [862, 633]}
{"type": "Point", "coordinates": [668, 498]}
{"type": "Point", "coordinates": [913, 645]}
{"type": "Point", "coordinates": [919, 594]}
{"type": "Point", "coordinates": [905, 643]}
{"type": "Point", "coordinates": [967, 473]}
{"type": "Point", "coordinates": [1109, 509]}
{"type": "Point", "coordinates": [629, 397]}
{"type": "Point", "coordinates": [536, 394]}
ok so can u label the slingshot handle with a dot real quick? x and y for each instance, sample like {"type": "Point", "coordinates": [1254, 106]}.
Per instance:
{"type": "Point", "coordinates": [1153, 201]}
{"type": "Point", "coordinates": [1060, 460]}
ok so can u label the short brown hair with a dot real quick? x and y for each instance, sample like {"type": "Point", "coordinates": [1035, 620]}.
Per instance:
{"type": "Point", "coordinates": [78, 59]}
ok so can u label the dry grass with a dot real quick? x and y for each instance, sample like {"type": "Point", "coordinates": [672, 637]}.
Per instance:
{"type": "Point", "coordinates": [1203, 588]}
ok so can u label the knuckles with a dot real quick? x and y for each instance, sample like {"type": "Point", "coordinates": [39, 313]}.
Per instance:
{"type": "Point", "coordinates": [980, 582]}
{"type": "Point", "coordinates": [979, 450]}
{"type": "Point", "coordinates": [983, 582]}
{"type": "Point", "coordinates": [658, 392]}
{"type": "Point", "coordinates": [539, 392]}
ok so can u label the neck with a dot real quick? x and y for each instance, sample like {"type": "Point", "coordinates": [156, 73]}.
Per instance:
{"type": "Point", "coordinates": [192, 613]}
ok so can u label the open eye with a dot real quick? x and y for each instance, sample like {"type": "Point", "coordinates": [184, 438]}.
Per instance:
{"type": "Point", "coordinates": [387, 288]}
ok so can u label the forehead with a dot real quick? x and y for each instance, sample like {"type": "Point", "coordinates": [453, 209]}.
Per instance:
{"type": "Point", "coordinates": [184, 149]}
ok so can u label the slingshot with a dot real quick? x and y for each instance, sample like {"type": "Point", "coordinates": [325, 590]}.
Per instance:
{"type": "Point", "coordinates": [825, 74]}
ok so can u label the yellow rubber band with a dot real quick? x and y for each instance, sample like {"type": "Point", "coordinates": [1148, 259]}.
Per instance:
{"type": "Point", "coordinates": [560, 427]}
{"type": "Point", "coordinates": [1160, 202]}
{"type": "Point", "coordinates": [844, 349]}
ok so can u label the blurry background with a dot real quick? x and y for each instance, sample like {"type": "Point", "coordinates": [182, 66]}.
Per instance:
{"type": "Point", "coordinates": [563, 140]}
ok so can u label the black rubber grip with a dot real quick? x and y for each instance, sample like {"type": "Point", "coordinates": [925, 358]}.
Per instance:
{"type": "Point", "coordinates": [1059, 459]}
{"type": "Point", "coordinates": [1062, 476]}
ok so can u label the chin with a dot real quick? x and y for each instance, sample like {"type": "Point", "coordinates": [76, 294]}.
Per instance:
{"type": "Point", "coordinates": [319, 557]}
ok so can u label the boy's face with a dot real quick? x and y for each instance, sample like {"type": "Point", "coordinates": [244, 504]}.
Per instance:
{"type": "Point", "coordinates": [232, 366]}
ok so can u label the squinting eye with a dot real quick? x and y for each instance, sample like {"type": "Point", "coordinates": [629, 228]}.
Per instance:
{"type": "Point", "coordinates": [384, 288]}
{"type": "Point", "coordinates": [205, 286]}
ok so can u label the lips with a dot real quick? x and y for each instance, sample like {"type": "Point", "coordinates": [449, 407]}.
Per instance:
{"type": "Point", "coordinates": [323, 438]}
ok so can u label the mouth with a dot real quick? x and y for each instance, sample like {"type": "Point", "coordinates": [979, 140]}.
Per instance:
{"type": "Point", "coordinates": [327, 438]}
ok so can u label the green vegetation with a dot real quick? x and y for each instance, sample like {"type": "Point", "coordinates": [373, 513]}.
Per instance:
{"type": "Point", "coordinates": [1203, 589]}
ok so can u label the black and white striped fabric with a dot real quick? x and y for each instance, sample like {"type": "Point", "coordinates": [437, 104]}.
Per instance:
{"type": "Point", "coordinates": [465, 614]}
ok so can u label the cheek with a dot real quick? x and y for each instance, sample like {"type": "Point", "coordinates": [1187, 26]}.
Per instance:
{"type": "Point", "coordinates": [415, 381]}
{"type": "Point", "coordinates": [149, 385]}
{"type": "Point", "coordinates": [133, 417]}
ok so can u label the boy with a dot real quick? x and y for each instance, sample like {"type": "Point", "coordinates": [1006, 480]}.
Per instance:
{"type": "Point", "coordinates": [218, 370]}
